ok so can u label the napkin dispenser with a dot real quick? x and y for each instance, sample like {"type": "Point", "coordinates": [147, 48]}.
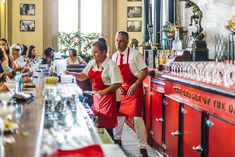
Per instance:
{"type": "Point", "coordinates": [23, 96]}
{"type": "Point", "coordinates": [67, 79]}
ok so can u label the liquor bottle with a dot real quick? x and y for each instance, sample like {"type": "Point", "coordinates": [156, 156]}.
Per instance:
{"type": "Point", "coordinates": [156, 59]}
{"type": "Point", "coordinates": [177, 43]}
{"type": "Point", "coordinates": [162, 58]}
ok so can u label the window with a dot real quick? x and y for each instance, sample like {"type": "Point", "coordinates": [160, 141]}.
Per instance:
{"type": "Point", "coordinates": [68, 16]}
{"type": "Point", "coordinates": [91, 16]}
{"type": "Point", "coordinates": [90, 20]}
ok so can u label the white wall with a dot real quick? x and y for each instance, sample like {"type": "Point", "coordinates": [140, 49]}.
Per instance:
{"type": "Point", "coordinates": [215, 15]}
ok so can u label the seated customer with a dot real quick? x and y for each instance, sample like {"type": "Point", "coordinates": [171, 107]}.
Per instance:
{"type": "Point", "coordinates": [5, 70]}
{"type": "Point", "coordinates": [73, 58]}
{"type": "Point", "coordinates": [32, 52]}
{"type": "Point", "coordinates": [49, 56]}
{"type": "Point", "coordinates": [16, 52]}
{"type": "Point", "coordinates": [6, 48]}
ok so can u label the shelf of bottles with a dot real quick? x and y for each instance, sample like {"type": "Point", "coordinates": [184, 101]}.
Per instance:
{"type": "Point", "coordinates": [216, 73]}
{"type": "Point", "coordinates": [164, 58]}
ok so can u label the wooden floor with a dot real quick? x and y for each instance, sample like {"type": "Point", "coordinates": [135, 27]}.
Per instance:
{"type": "Point", "coordinates": [130, 144]}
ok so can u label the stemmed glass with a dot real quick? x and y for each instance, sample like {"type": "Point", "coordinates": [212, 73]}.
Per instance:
{"type": "Point", "coordinates": [2, 137]}
{"type": "Point", "coordinates": [11, 85]}
{"type": "Point", "coordinates": [18, 112]}
{"type": "Point", "coordinates": [5, 112]}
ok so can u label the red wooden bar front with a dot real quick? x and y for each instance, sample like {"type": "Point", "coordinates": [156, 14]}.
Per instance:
{"type": "Point", "coordinates": [190, 118]}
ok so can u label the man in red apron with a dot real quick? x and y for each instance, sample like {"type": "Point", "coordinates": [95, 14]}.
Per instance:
{"type": "Point", "coordinates": [106, 78]}
{"type": "Point", "coordinates": [134, 71]}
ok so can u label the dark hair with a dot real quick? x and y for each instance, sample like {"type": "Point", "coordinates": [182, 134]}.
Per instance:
{"type": "Point", "coordinates": [1, 55]}
{"type": "Point", "coordinates": [124, 33]}
{"type": "Point", "coordinates": [8, 45]}
{"type": "Point", "coordinates": [47, 51]}
{"type": "Point", "coordinates": [7, 51]}
{"type": "Point", "coordinates": [30, 54]}
{"type": "Point", "coordinates": [101, 44]}
{"type": "Point", "coordinates": [24, 50]}
{"type": "Point", "coordinates": [74, 52]}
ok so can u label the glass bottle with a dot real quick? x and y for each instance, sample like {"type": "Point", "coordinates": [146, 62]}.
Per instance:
{"type": "Point", "coordinates": [156, 60]}
{"type": "Point", "coordinates": [177, 43]}
{"type": "Point", "coordinates": [19, 82]}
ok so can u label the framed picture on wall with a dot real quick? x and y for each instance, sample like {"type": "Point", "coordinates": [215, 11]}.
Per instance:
{"type": "Point", "coordinates": [27, 9]}
{"type": "Point", "coordinates": [134, 0]}
{"type": "Point", "coordinates": [134, 11]}
{"type": "Point", "coordinates": [134, 25]}
{"type": "Point", "coordinates": [27, 25]}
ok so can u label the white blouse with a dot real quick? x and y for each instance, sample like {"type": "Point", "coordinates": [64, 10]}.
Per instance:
{"type": "Point", "coordinates": [111, 73]}
{"type": "Point", "coordinates": [78, 60]}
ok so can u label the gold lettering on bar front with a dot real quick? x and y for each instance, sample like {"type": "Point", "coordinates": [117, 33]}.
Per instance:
{"type": "Point", "coordinates": [205, 100]}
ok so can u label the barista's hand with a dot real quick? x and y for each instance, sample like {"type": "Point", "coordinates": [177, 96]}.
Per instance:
{"type": "Point", "coordinates": [3, 88]}
{"type": "Point", "coordinates": [132, 89]}
{"type": "Point", "coordinates": [69, 73]}
{"type": "Point", "coordinates": [99, 93]}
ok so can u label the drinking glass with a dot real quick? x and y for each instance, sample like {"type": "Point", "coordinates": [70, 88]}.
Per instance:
{"type": "Point", "coordinates": [5, 98]}
{"type": "Point", "coordinates": [18, 112]}
{"type": "Point", "coordinates": [11, 85]}
{"type": "Point", "coordinates": [2, 151]}
{"type": "Point", "coordinates": [6, 113]}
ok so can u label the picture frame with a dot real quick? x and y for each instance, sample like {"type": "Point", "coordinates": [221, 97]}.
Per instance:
{"type": "Point", "coordinates": [27, 25]}
{"type": "Point", "coordinates": [134, 11]}
{"type": "Point", "coordinates": [27, 9]}
{"type": "Point", "coordinates": [134, 25]}
{"type": "Point", "coordinates": [134, 0]}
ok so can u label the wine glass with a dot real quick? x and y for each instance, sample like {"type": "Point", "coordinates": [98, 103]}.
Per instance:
{"type": "Point", "coordinates": [18, 112]}
{"type": "Point", "coordinates": [11, 85]}
{"type": "Point", "coordinates": [5, 97]}
{"type": "Point", "coordinates": [5, 113]}
{"type": "Point", "coordinates": [2, 137]}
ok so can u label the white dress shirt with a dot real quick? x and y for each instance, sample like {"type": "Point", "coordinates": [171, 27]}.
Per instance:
{"type": "Point", "coordinates": [136, 60]}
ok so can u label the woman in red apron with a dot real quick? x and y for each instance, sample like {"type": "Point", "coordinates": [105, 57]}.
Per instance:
{"type": "Point", "coordinates": [134, 71]}
{"type": "Point", "coordinates": [106, 79]}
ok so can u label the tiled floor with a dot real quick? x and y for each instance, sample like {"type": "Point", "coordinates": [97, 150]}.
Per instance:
{"type": "Point", "coordinates": [130, 144]}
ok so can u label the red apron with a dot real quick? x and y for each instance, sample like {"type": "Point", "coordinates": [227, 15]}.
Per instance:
{"type": "Point", "coordinates": [104, 107]}
{"type": "Point", "coordinates": [130, 105]}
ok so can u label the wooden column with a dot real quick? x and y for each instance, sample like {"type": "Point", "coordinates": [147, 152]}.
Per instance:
{"type": "Point", "coordinates": [172, 11]}
{"type": "Point", "coordinates": [50, 23]}
{"type": "Point", "coordinates": [156, 5]}
{"type": "Point", "coordinates": [145, 21]}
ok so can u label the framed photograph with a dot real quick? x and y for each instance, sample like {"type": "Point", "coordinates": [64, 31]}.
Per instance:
{"type": "Point", "coordinates": [135, 11]}
{"type": "Point", "coordinates": [134, 25]}
{"type": "Point", "coordinates": [27, 25]}
{"type": "Point", "coordinates": [27, 9]}
{"type": "Point", "coordinates": [134, 0]}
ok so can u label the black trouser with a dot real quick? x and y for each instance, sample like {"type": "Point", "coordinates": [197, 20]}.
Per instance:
{"type": "Point", "coordinates": [118, 105]}
{"type": "Point", "coordinates": [110, 132]}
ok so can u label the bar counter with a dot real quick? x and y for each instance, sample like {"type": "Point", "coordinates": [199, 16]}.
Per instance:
{"type": "Point", "coordinates": [28, 139]}
{"type": "Point", "coordinates": [34, 125]}
{"type": "Point", "coordinates": [190, 118]}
